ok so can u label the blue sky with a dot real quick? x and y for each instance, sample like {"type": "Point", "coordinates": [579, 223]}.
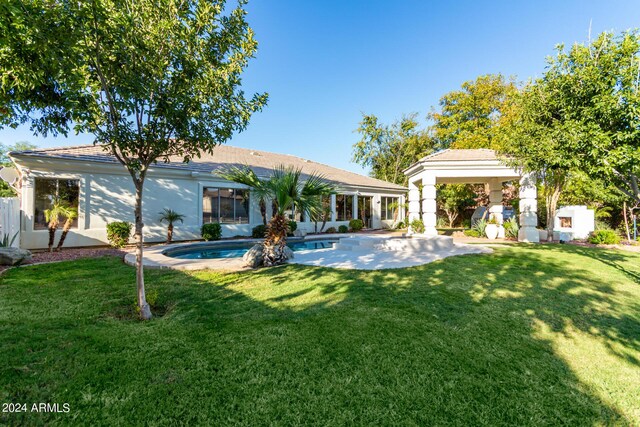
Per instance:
{"type": "Point", "coordinates": [323, 63]}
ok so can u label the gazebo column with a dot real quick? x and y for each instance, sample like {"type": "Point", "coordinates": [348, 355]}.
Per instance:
{"type": "Point", "coordinates": [528, 210]}
{"type": "Point", "coordinates": [495, 204]}
{"type": "Point", "coordinates": [414, 201]}
{"type": "Point", "coordinates": [429, 206]}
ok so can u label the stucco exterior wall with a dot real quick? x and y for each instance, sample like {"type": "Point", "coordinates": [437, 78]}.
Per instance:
{"type": "Point", "coordinates": [107, 195]}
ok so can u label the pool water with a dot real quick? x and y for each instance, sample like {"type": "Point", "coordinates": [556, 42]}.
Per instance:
{"type": "Point", "coordinates": [236, 250]}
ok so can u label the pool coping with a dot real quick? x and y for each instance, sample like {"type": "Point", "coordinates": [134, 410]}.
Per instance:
{"type": "Point", "coordinates": [155, 258]}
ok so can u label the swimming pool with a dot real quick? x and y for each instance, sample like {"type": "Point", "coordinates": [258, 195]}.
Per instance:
{"type": "Point", "coordinates": [236, 250]}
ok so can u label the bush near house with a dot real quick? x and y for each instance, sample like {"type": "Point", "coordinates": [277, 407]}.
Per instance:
{"type": "Point", "coordinates": [331, 230]}
{"type": "Point", "coordinates": [417, 226]}
{"type": "Point", "coordinates": [472, 233]}
{"type": "Point", "coordinates": [293, 226]}
{"type": "Point", "coordinates": [511, 228]}
{"type": "Point", "coordinates": [118, 233]}
{"type": "Point", "coordinates": [211, 231]}
{"type": "Point", "coordinates": [259, 231]}
{"type": "Point", "coordinates": [343, 229]}
{"type": "Point", "coordinates": [604, 237]}
{"type": "Point", "coordinates": [401, 225]}
{"type": "Point", "coordinates": [356, 224]}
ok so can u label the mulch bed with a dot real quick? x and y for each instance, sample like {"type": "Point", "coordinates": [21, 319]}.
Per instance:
{"type": "Point", "coordinates": [71, 254]}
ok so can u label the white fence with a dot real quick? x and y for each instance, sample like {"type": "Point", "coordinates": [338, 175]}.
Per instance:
{"type": "Point", "coordinates": [10, 219]}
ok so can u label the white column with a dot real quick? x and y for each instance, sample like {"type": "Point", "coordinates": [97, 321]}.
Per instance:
{"type": "Point", "coordinates": [355, 206]}
{"type": "Point", "coordinates": [269, 210]}
{"type": "Point", "coordinates": [414, 201]}
{"type": "Point", "coordinates": [495, 204]}
{"type": "Point", "coordinates": [528, 210]}
{"type": "Point", "coordinates": [429, 207]}
{"type": "Point", "coordinates": [333, 208]}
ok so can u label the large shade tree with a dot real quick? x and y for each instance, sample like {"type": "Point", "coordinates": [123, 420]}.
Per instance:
{"type": "Point", "coordinates": [152, 80]}
{"type": "Point", "coordinates": [290, 191]}
{"type": "Point", "coordinates": [389, 150]}
{"type": "Point", "coordinates": [469, 117]}
{"type": "Point", "coordinates": [597, 84]}
{"type": "Point", "coordinates": [582, 116]}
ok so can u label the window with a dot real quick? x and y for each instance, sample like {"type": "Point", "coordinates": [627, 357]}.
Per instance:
{"type": "Point", "coordinates": [344, 207]}
{"type": "Point", "coordinates": [388, 206]}
{"type": "Point", "coordinates": [49, 191]}
{"type": "Point", "coordinates": [225, 205]}
{"type": "Point", "coordinates": [565, 222]}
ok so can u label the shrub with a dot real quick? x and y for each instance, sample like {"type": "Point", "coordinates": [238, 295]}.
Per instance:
{"type": "Point", "coordinates": [211, 231]}
{"type": "Point", "coordinates": [471, 233]}
{"type": "Point", "coordinates": [356, 224]}
{"type": "Point", "coordinates": [331, 230]}
{"type": "Point", "coordinates": [293, 226]}
{"type": "Point", "coordinates": [480, 227]}
{"type": "Point", "coordinates": [417, 226]}
{"type": "Point", "coordinates": [604, 237]}
{"type": "Point", "coordinates": [343, 229]}
{"type": "Point", "coordinates": [442, 223]}
{"type": "Point", "coordinates": [466, 223]}
{"type": "Point", "coordinates": [118, 233]}
{"type": "Point", "coordinates": [259, 231]}
{"type": "Point", "coordinates": [401, 225]}
{"type": "Point", "coordinates": [511, 228]}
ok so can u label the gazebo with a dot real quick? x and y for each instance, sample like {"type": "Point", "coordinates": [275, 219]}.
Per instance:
{"type": "Point", "coordinates": [479, 166]}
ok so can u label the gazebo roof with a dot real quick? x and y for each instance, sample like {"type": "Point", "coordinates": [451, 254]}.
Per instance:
{"type": "Point", "coordinates": [460, 155]}
{"type": "Point", "coordinates": [462, 165]}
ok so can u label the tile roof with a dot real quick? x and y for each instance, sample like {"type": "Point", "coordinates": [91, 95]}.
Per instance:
{"type": "Point", "coordinates": [262, 162]}
{"type": "Point", "coordinates": [457, 155]}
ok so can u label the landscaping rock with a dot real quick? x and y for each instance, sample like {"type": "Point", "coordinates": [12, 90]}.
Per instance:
{"type": "Point", "coordinates": [299, 233]}
{"type": "Point", "coordinates": [254, 256]}
{"type": "Point", "coordinates": [288, 252]}
{"type": "Point", "coordinates": [14, 256]}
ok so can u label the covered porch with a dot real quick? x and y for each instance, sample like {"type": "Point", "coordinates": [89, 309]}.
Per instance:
{"type": "Point", "coordinates": [480, 166]}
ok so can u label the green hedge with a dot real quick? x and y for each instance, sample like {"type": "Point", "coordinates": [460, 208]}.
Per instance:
{"type": "Point", "coordinates": [356, 224]}
{"type": "Point", "coordinates": [343, 229]}
{"type": "Point", "coordinates": [211, 231]}
{"type": "Point", "coordinates": [417, 226]}
{"type": "Point", "coordinates": [118, 233]}
{"type": "Point", "coordinates": [604, 237]}
{"type": "Point", "coordinates": [259, 231]}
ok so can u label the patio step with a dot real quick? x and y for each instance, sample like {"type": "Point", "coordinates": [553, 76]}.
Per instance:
{"type": "Point", "coordinates": [415, 243]}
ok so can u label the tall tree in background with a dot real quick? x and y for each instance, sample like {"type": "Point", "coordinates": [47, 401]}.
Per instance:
{"type": "Point", "coordinates": [5, 189]}
{"type": "Point", "coordinates": [389, 150]}
{"type": "Point", "coordinates": [597, 84]}
{"type": "Point", "coordinates": [151, 79]}
{"type": "Point", "coordinates": [468, 118]}
{"type": "Point", "coordinates": [532, 135]}
{"type": "Point", "coordinates": [581, 115]}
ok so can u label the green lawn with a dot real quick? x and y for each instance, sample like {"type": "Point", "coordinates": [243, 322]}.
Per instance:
{"type": "Point", "coordinates": [531, 335]}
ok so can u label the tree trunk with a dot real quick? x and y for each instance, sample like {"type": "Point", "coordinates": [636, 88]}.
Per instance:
{"type": "Point", "coordinates": [53, 226]}
{"type": "Point", "coordinates": [65, 230]}
{"type": "Point", "coordinates": [552, 204]}
{"type": "Point", "coordinates": [626, 221]}
{"type": "Point", "coordinates": [276, 241]}
{"type": "Point", "coordinates": [170, 233]}
{"type": "Point", "coordinates": [145, 310]}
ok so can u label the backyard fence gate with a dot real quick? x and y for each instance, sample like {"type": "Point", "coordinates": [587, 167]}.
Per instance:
{"type": "Point", "coordinates": [10, 221]}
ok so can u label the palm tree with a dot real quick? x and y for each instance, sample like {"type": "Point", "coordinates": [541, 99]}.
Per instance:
{"type": "Point", "coordinates": [288, 191]}
{"type": "Point", "coordinates": [70, 214]}
{"type": "Point", "coordinates": [170, 216]}
{"type": "Point", "coordinates": [52, 215]}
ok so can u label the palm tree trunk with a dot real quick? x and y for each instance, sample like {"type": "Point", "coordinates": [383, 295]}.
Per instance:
{"type": "Point", "coordinates": [170, 233]}
{"type": "Point", "coordinates": [53, 226]}
{"type": "Point", "coordinates": [276, 241]}
{"type": "Point", "coordinates": [65, 230]}
{"type": "Point", "coordinates": [145, 310]}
